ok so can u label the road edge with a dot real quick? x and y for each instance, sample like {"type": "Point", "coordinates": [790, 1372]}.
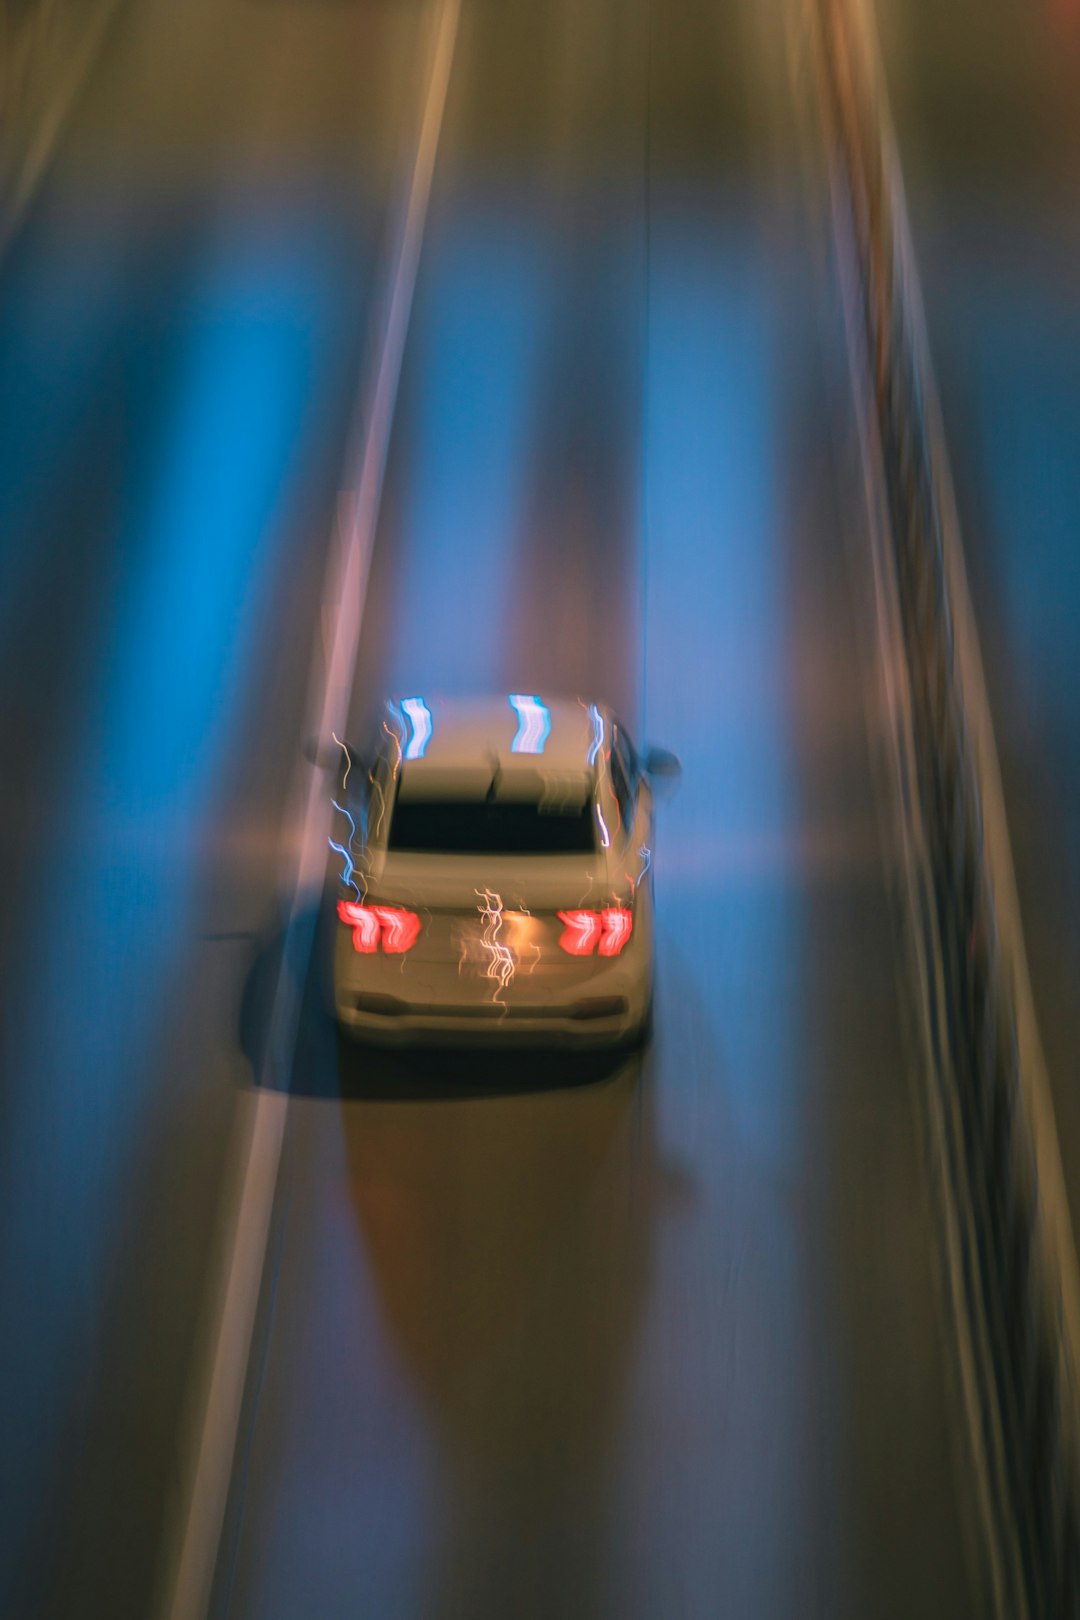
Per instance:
{"type": "Point", "coordinates": [1008, 1251]}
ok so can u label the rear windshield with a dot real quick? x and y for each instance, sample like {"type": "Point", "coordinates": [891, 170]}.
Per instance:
{"type": "Point", "coordinates": [476, 827]}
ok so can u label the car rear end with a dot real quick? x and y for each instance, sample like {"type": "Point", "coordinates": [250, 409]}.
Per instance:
{"type": "Point", "coordinates": [491, 903]}
{"type": "Point", "coordinates": [519, 957]}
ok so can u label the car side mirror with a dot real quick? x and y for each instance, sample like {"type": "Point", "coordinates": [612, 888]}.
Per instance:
{"type": "Point", "coordinates": [661, 764]}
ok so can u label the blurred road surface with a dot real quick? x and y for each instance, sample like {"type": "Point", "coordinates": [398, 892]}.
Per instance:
{"type": "Point", "coordinates": [536, 1339]}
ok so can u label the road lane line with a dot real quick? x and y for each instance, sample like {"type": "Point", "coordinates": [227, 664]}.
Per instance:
{"type": "Point", "coordinates": [192, 1539]}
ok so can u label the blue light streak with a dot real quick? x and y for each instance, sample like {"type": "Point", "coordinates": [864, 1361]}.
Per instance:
{"type": "Point", "coordinates": [420, 726]}
{"type": "Point", "coordinates": [534, 724]}
{"type": "Point", "coordinates": [346, 854]}
{"type": "Point", "coordinates": [598, 733]}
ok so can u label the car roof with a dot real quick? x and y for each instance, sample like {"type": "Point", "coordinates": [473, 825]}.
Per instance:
{"type": "Point", "coordinates": [517, 731]}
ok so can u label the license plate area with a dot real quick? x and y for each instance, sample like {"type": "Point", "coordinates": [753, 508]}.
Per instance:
{"type": "Point", "coordinates": [503, 944]}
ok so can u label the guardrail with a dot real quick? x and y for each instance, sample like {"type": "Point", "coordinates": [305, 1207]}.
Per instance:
{"type": "Point", "coordinates": [1006, 1261]}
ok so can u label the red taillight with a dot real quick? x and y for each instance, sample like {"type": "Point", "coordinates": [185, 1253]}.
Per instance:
{"type": "Point", "coordinates": [616, 924]}
{"type": "Point", "coordinates": [581, 933]}
{"type": "Point", "coordinates": [399, 928]}
{"type": "Point", "coordinates": [364, 924]}
{"type": "Point", "coordinates": [392, 927]}
{"type": "Point", "coordinates": [586, 931]}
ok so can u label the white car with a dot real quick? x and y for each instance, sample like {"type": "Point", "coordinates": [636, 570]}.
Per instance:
{"type": "Point", "coordinates": [496, 876]}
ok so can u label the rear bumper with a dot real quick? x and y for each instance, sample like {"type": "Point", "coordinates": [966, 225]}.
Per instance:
{"type": "Point", "coordinates": [506, 1028]}
{"type": "Point", "coordinates": [377, 1002]}
{"type": "Point", "coordinates": [417, 1032]}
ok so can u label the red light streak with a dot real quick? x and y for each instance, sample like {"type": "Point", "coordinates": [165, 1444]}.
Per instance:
{"type": "Point", "coordinates": [391, 926]}
{"type": "Point", "coordinates": [587, 931]}
{"type": "Point", "coordinates": [399, 928]}
{"type": "Point", "coordinates": [582, 931]}
{"type": "Point", "coordinates": [617, 924]}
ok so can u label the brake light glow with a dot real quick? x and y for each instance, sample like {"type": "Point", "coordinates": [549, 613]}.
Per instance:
{"type": "Point", "coordinates": [605, 931]}
{"type": "Point", "coordinates": [582, 932]}
{"type": "Point", "coordinates": [364, 924]}
{"type": "Point", "coordinates": [392, 927]}
{"type": "Point", "coordinates": [616, 923]}
{"type": "Point", "coordinates": [399, 928]}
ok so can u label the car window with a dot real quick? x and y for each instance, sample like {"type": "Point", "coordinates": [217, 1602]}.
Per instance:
{"type": "Point", "coordinates": [623, 776]}
{"type": "Point", "coordinates": [482, 827]}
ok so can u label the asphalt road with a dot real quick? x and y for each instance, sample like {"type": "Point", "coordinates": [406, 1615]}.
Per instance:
{"type": "Point", "coordinates": [656, 1338]}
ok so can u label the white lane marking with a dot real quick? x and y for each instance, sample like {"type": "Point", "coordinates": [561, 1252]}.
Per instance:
{"type": "Point", "coordinates": [192, 1540]}
{"type": "Point", "coordinates": [50, 127]}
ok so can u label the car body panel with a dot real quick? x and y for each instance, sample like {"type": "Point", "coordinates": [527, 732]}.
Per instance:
{"type": "Point", "coordinates": [487, 966]}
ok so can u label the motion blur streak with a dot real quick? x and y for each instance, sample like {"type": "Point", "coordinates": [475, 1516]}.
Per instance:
{"type": "Point", "coordinates": [605, 932]}
{"type": "Point", "coordinates": [717, 591]}
{"type": "Point", "coordinates": [58, 321]}
{"type": "Point", "coordinates": [364, 923]}
{"type": "Point", "coordinates": [1025, 428]}
{"type": "Point", "coordinates": [347, 852]}
{"type": "Point", "coordinates": [399, 929]}
{"type": "Point", "coordinates": [581, 933]}
{"type": "Point", "coordinates": [625, 1337]}
{"type": "Point", "coordinates": [501, 962]}
{"type": "Point", "coordinates": [534, 725]}
{"type": "Point", "coordinates": [477, 342]}
{"type": "Point", "coordinates": [598, 734]}
{"type": "Point", "coordinates": [191, 1543]}
{"type": "Point", "coordinates": [617, 924]}
{"type": "Point", "coordinates": [195, 563]}
{"type": "Point", "coordinates": [1008, 1246]}
{"type": "Point", "coordinates": [419, 716]}
{"type": "Point", "coordinates": [49, 52]}
{"type": "Point", "coordinates": [211, 503]}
